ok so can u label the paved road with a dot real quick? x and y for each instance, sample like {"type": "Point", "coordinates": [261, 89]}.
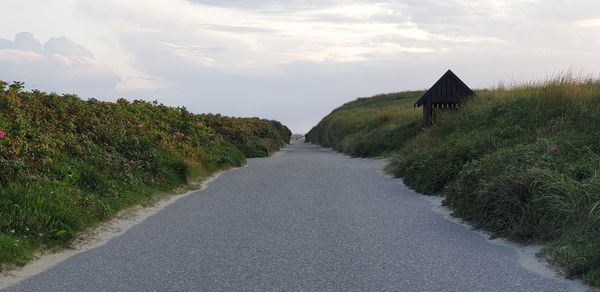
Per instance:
{"type": "Point", "coordinates": [308, 219]}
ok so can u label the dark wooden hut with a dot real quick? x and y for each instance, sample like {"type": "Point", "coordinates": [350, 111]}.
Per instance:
{"type": "Point", "coordinates": [447, 93]}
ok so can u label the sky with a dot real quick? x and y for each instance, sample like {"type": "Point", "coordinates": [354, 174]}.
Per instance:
{"type": "Point", "coordinates": [289, 60]}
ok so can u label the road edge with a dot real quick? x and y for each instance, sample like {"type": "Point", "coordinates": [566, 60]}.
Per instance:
{"type": "Point", "coordinates": [102, 234]}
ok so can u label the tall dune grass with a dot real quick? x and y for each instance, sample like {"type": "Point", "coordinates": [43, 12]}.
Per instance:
{"type": "Point", "coordinates": [370, 126]}
{"type": "Point", "coordinates": [519, 160]}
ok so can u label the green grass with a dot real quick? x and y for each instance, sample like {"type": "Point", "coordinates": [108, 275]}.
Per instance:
{"type": "Point", "coordinates": [370, 126]}
{"type": "Point", "coordinates": [492, 161]}
{"type": "Point", "coordinates": [67, 164]}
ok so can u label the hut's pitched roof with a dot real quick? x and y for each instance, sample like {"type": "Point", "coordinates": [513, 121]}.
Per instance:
{"type": "Point", "coordinates": [448, 89]}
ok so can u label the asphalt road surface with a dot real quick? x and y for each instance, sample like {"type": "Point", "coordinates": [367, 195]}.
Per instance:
{"type": "Point", "coordinates": [307, 219]}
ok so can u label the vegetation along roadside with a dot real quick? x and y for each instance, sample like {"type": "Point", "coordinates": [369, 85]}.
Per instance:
{"type": "Point", "coordinates": [522, 162]}
{"type": "Point", "coordinates": [66, 164]}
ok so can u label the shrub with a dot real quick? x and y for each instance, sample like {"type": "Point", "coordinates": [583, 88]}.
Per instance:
{"type": "Point", "coordinates": [68, 163]}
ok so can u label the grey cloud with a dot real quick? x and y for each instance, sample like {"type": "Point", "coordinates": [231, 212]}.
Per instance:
{"type": "Point", "coordinates": [60, 65]}
{"type": "Point", "coordinates": [24, 41]}
{"type": "Point", "coordinates": [65, 47]}
{"type": "Point", "coordinates": [6, 44]}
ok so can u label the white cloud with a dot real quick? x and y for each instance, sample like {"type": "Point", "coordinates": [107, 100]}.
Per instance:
{"type": "Point", "coordinates": [18, 56]}
{"type": "Point", "coordinates": [59, 65]}
{"type": "Point", "coordinates": [588, 23]}
{"type": "Point", "coordinates": [288, 59]}
{"type": "Point", "coordinates": [261, 37]}
{"type": "Point", "coordinates": [195, 54]}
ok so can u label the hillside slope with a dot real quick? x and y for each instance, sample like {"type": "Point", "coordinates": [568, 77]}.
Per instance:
{"type": "Point", "coordinates": [370, 126]}
{"type": "Point", "coordinates": [67, 164]}
{"type": "Point", "coordinates": [522, 162]}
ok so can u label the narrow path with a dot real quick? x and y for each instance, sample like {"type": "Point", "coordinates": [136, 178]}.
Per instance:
{"type": "Point", "coordinates": [306, 219]}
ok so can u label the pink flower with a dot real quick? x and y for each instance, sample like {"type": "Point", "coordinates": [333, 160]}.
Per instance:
{"type": "Point", "coordinates": [132, 162]}
{"type": "Point", "coordinates": [109, 154]}
{"type": "Point", "coordinates": [2, 134]}
{"type": "Point", "coordinates": [553, 149]}
{"type": "Point", "coordinates": [174, 136]}
{"type": "Point", "coordinates": [139, 126]}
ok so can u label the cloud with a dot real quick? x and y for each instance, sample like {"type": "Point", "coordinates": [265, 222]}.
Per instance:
{"type": "Point", "coordinates": [240, 29]}
{"type": "Point", "coordinates": [58, 65]}
{"type": "Point", "coordinates": [262, 4]}
{"type": "Point", "coordinates": [258, 39]}
{"type": "Point", "coordinates": [587, 23]}
{"type": "Point", "coordinates": [18, 57]}
{"type": "Point", "coordinates": [65, 47]}
{"type": "Point", "coordinates": [24, 41]}
{"type": "Point", "coordinates": [292, 60]}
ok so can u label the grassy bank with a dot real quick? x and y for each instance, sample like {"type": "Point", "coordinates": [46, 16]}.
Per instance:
{"type": "Point", "coordinates": [370, 126]}
{"type": "Point", "coordinates": [67, 164]}
{"type": "Point", "coordinates": [521, 162]}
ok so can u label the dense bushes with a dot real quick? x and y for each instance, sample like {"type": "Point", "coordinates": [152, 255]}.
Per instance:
{"type": "Point", "coordinates": [523, 163]}
{"type": "Point", "coordinates": [66, 163]}
{"type": "Point", "coordinates": [370, 126]}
